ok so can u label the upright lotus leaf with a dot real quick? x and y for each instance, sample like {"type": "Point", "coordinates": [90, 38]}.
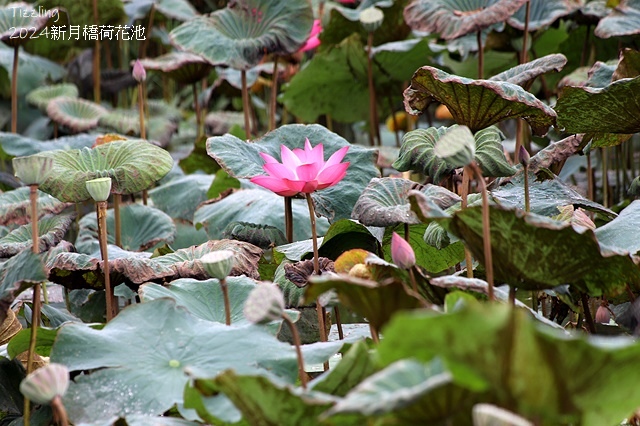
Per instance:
{"type": "Point", "coordinates": [142, 228]}
{"type": "Point", "coordinates": [476, 103]}
{"type": "Point", "coordinates": [525, 73]}
{"type": "Point", "coordinates": [14, 145]}
{"type": "Point", "coordinates": [242, 160]}
{"type": "Point", "coordinates": [132, 166]}
{"type": "Point", "coordinates": [417, 153]}
{"type": "Point", "coordinates": [622, 20]}
{"type": "Point", "coordinates": [542, 13]}
{"type": "Point", "coordinates": [536, 252]}
{"type": "Point", "coordinates": [153, 346]}
{"type": "Point", "coordinates": [454, 18]}
{"type": "Point", "coordinates": [263, 236]}
{"type": "Point", "coordinates": [334, 82]}
{"type": "Point", "coordinates": [180, 10]}
{"type": "Point", "coordinates": [536, 371]}
{"type": "Point", "coordinates": [384, 201]}
{"type": "Point", "coordinates": [14, 206]}
{"type": "Point", "coordinates": [180, 197]}
{"type": "Point", "coordinates": [41, 96]}
{"type": "Point", "coordinates": [77, 114]}
{"type": "Point", "coordinates": [241, 34]}
{"type": "Point", "coordinates": [546, 197]}
{"type": "Point", "coordinates": [16, 275]}
{"type": "Point", "coordinates": [410, 392]}
{"type": "Point", "coordinates": [183, 67]}
{"type": "Point", "coordinates": [51, 230]}
{"type": "Point", "coordinates": [622, 233]}
{"type": "Point", "coordinates": [611, 109]}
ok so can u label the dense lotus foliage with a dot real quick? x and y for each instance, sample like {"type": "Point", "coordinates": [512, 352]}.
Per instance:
{"type": "Point", "coordinates": [335, 212]}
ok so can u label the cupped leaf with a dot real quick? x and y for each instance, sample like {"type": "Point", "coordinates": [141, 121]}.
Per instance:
{"type": "Point", "coordinates": [51, 230]}
{"type": "Point", "coordinates": [125, 122]}
{"type": "Point", "coordinates": [622, 20]}
{"type": "Point", "coordinates": [180, 10]}
{"type": "Point", "coordinates": [132, 165]}
{"type": "Point", "coordinates": [77, 114]}
{"type": "Point", "coordinates": [142, 228]}
{"type": "Point", "coordinates": [476, 103]}
{"type": "Point", "coordinates": [242, 160]}
{"type": "Point", "coordinates": [180, 197]}
{"type": "Point", "coordinates": [263, 236]}
{"type": "Point", "coordinates": [542, 13]}
{"type": "Point", "coordinates": [19, 146]}
{"type": "Point", "coordinates": [622, 233]}
{"type": "Point", "coordinates": [15, 205]}
{"type": "Point", "coordinates": [384, 201]}
{"type": "Point", "coordinates": [246, 30]}
{"type": "Point", "coordinates": [184, 67]}
{"type": "Point", "coordinates": [454, 18]}
{"type": "Point", "coordinates": [525, 73]}
{"type": "Point", "coordinates": [41, 96]}
{"type": "Point", "coordinates": [16, 275]}
{"type": "Point", "coordinates": [153, 346]}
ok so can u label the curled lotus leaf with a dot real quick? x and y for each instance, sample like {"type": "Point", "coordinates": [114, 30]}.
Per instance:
{"type": "Point", "coordinates": [132, 165]}
{"type": "Point", "coordinates": [454, 18]}
{"type": "Point", "coordinates": [241, 34]}
{"type": "Point", "coordinates": [15, 204]}
{"type": "Point", "coordinates": [622, 20]}
{"type": "Point", "coordinates": [183, 67]}
{"type": "Point", "coordinates": [41, 96]}
{"type": "Point", "coordinates": [21, 17]}
{"type": "Point", "coordinates": [476, 103]}
{"type": "Point", "coordinates": [19, 146]}
{"type": "Point", "coordinates": [181, 10]}
{"type": "Point", "coordinates": [263, 236]}
{"type": "Point", "coordinates": [51, 230]}
{"type": "Point", "coordinates": [77, 114]}
{"type": "Point", "coordinates": [525, 73]}
{"type": "Point", "coordinates": [542, 13]}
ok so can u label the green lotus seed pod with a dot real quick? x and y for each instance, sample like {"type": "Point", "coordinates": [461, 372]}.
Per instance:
{"type": "Point", "coordinates": [46, 383]}
{"type": "Point", "coordinates": [371, 18]}
{"type": "Point", "coordinates": [218, 264]}
{"type": "Point", "coordinates": [32, 170]}
{"type": "Point", "coordinates": [99, 188]}
{"type": "Point", "coordinates": [457, 147]}
{"type": "Point", "coordinates": [634, 188]}
{"type": "Point", "coordinates": [264, 304]}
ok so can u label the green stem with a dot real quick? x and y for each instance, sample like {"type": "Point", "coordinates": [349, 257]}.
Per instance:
{"type": "Point", "coordinates": [296, 342]}
{"type": "Point", "coordinates": [486, 230]}
{"type": "Point", "coordinates": [14, 92]}
{"type": "Point", "coordinates": [466, 180]}
{"type": "Point", "coordinates": [225, 296]}
{"type": "Point", "coordinates": [101, 208]}
{"type": "Point", "coordinates": [245, 104]}
{"type": "Point", "coordinates": [288, 218]}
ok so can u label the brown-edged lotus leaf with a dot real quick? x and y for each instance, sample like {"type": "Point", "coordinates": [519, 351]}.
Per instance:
{"type": "Point", "coordinates": [629, 64]}
{"type": "Point", "coordinates": [525, 73]}
{"type": "Point", "coordinates": [542, 13]}
{"type": "Point", "coordinates": [15, 204]}
{"type": "Point", "coordinates": [476, 104]}
{"type": "Point", "coordinates": [452, 18]}
{"type": "Point", "coordinates": [41, 96]}
{"type": "Point", "coordinates": [183, 67]}
{"type": "Point", "coordinates": [9, 327]}
{"type": "Point", "coordinates": [51, 230]}
{"type": "Point", "coordinates": [300, 272]}
{"type": "Point", "coordinates": [79, 115]}
{"type": "Point", "coordinates": [622, 20]}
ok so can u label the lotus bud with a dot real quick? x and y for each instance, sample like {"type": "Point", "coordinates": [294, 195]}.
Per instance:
{"type": "Point", "coordinates": [32, 170]}
{"type": "Point", "coordinates": [99, 188]}
{"type": "Point", "coordinates": [524, 156]}
{"type": "Point", "coordinates": [139, 73]}
{"type": "Point", "coordinates": [401, 252]}
{"type": "Point", "coordinates": [218, 264]}
{"type": "Point", "coordinates": [457, 147]}
{"type": "Point", "coordinates": [603, 315]}
{"type": "Point", "coordinates": [634, 188]}
{"type": "Point", "coordinates": [371, 18]}
{"type": "Point", "coordinates": [46, 383]}
{"type": "Point", "coordinates": [264, 304]}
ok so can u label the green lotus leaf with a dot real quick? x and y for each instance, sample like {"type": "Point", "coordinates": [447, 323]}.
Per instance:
{"type": "Point", "coordinates": [611, 109]}
{"type": "Point", "coordinates": [542, 13]}
{"type": "Point", "coordinates": [160, 108]}
{"type": "Point", "coordinates": [410, 392]}
{"type": "Point", "coordinates": [263, 236]}
{"type": "Point", "coordinates": [153, 346]}
{"type": "Point", "coordinates": [188, 235]}
{"type": "Point", "coordinates": [34, 71]}
{"type": "Point", "coordinates": [21, 18]}
{"type": "Point", "coordinates": [355, 365]}
{"type": "Point", "coordinates": [241, 34]}
{"type": "Point", "coordinates": [384, 201]}
{"type": "Point", "coordinates": [525, 73]}
{"type": "Point", "coordinates": [477, 103]}
{"type": "Point", "coordinates": [242, 160]}
{"type": "Point", "coordinates": [622, 20]}
{"type": "Point", "coordinates": [180, 10]}
{"type": "Point", "coordinates": [455, 18]}
{"type": "Point", "coordinates": [15, 204]}
{"type": "Point", "coordinates": [417, 153]}
{"type": "Point", "coordinates": [535, 252]}
{"type": "Point", "coordinates": [132, 165]}
{"type": "Point", "coordinates": [51, 230]}
{"type": "Point", "coordinates": [126, 122]}
{"type": "Point", "coordinates": [142, 228]}
{"type": "Point", "coordinates": [14, 145]}
{"type": "Point", "coordinates": [220, 122]}
{"type": "Point", "coordinates": [141, 420]}
{"type": "Point", "coordinates": [16, 275]}
{"type": "Point", "coordinates": [622, 233]}
{"type": "Point", "coordinates": [535, 370]}
{"type": "Point", "coordinates": [334, 82]}
{"type": "Point", "coordinates": [397, 61]}
{"type": "Point", "coordinates": [77, 114]}
{"type": "Point", "coordinates": [183, 67]}
{"type": "Point", "coordinates": [180, 197]}
{"type": "Point", "coordinates": [41, 96]}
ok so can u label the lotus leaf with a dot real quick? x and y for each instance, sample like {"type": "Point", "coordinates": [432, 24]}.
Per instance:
{"type": "Point", "coordinates": [14, 206]}
{"type": "Point", "coordinates": [16, 275]}
{"type": "Point", "coordinates": [16, 145]}
{"type": "Point", "coordinates": [355, 365]}
{"type": "Point", "coordinates": [16, 18]}
{"type": "Point", "coordinates": [622, 233]}
{"type": "Point", "coordinates": [184, 67]}
{"type": "Point", "coordinates": [180, 197]}
{"type": "Point", "coordinates": [180, 10]}
{"type": "Point", "coordinates": [542, 13]}
{"type": "Point", "coordinates": [51, 230]}
{"type": "Point", "coordinates": [622, 20]}
{"type": "Point", "coordinates": [525, 73]}
{"type": "Point", "coordinates": [263, 236]}
{"type": "Point", "coordinates": [77, 114]}
{"type": "Point", "coordinates": [41, 96]}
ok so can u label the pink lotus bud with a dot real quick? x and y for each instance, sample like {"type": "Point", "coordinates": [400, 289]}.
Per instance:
{"type": "Point", "coordinates": [603, 315]}
{"type": "Point", "coordinates": [524, 156]}
{"type": "Point", "coordinates": [401, 252]}
{"type": "Point", "coordinates": [139, 74]}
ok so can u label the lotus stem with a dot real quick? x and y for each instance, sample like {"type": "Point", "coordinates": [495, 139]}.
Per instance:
{"type": "Point", "coordinates": [374, 333]}
{"type": "Point", "coordinates": [336, 312]}
{"type": "Point", "coordinates": [145, 43]}
{"type": "Point", "coordinates": [225, 296]}
{"type": "Point", "coordinates": [288, 218]}
{"type": "Point", "coordinates": [245, 105]}
{"type": "Point", "coordinates": [466, 180]}
{"type": "Point", "coordinates": [396, 130]}
{"type": "Point", "coordinates": [96, 57]}
{"type": "Point", "coordinates": [414, 283]}
{"type": "Point", "coordinates": [102, 236]}
{"type": "Point", "coordinates": [524, 57]}
{"type": "Point", "coordinates": [274, 94]}
{"type": "Point", "coordinates": [486, 230]}
{"type": "Point", "coordinates": [373, 116]}
{"type": "Point", "coordinates": [117, 199]}
{"type": "Point", "coordinates": [45, 294]}
{"type": "Point", "coordinates": [14, 92]}
{"type": "Point", "coordinates": [59, 412]}
{"type": "Point", "coordinates": [407, 232]}
{"type": "Point", "coordinates": [143, 130]}
{"type": "Point", "coordinates": [196, 107]}
{"type": "Point", "coordinates": [605, 177]}
{"type": "Point", "coordinates": [296, 341]}
{"type": "Point", "coordinates": [527, 200]}
{"type": "Point", "coordinates": [587, 313]}
{"type": "Point", "coordinates": [480, 55]}
{"type": "Point", "coordinates": [329, 122]}
{"type": "Point", "coordinates": [590, 178]}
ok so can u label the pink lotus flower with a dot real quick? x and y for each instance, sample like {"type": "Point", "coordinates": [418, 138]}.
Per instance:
{"type": "Point", "coordinates": [313, 41]}
{"type": "Point", "coordinates": [302, 170]}
{"type": "Point", "coordinates": [401, 252]}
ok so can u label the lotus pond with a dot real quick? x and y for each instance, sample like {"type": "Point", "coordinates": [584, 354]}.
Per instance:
{"type": "Point", "coordinates": [319, 212]}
